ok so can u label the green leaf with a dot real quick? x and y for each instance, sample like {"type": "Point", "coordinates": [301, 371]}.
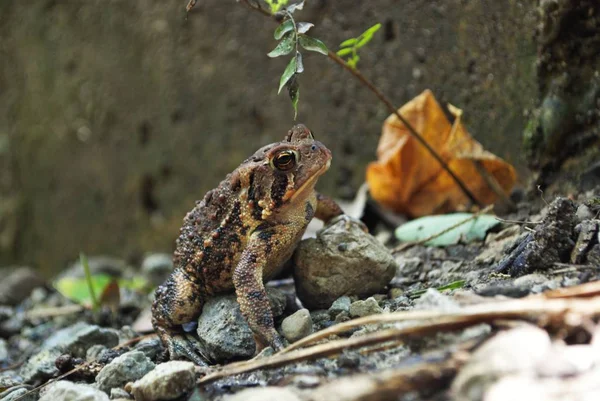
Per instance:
{"type": "Point", "coordinates": [77, 289]}
{"type": "Point", "coordinates": [284, 47]}
{"type": "Point", "coordinates": [313, 45]}
{"type": "Point", "coordinates": [80, 289]}
{"type": "Point", "coordinates": [294, 92]}
{"type": "Point", "coordinates": [303, 27]}
{"type": "Point", "coordinates": [299, 63]}
{"type": "Point", "coordinates": [284, 28]}
{"type": "Point", "coordinates": [344, 52]}
{"type": "Point", "coordinates": [348, 42]}
{"type": "Point", "coordinates": [288, 73]}
{"type": "Point", "coordinates": [294, 7]}
{"type": "Point", "coordinates": [424, 227]}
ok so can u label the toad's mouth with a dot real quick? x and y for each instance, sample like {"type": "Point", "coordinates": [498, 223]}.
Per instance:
{"type": "Point", "coordinates": [309, 184]}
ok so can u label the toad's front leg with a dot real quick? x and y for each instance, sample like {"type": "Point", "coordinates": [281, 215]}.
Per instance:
{"type": "Point", "coordinates": [251, 294]}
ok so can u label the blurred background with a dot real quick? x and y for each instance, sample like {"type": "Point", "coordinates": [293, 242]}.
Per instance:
{"type": "Point", "coordinates": [115, 116]}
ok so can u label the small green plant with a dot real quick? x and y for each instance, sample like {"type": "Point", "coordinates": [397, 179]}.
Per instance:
{"type": "Point", "coordinates": [292, 35]}
{"type": "Point", "coordinates": [88, 278]}
{"type": "Point", "coordinates": [275, 5]}
{"type": "Point", "coordinates": [349, 47]}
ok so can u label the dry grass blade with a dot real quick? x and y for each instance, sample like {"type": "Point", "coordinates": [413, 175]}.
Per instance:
{"type": "Point", "coordinates": [427, 323]}
{"type": "Point", "coordinates": [580, 291]}
{"type": "Point", "coordinates": [386, 385]}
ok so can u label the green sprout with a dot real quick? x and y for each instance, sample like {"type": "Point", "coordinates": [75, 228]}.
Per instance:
{"type": "Point", "coordinates": [349, 47]}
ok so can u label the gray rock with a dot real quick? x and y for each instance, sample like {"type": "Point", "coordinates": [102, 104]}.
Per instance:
{"type": "Point", "coordinates": [17, 394]}
{"type": "Point", "coordinates": [76, 339]}
{"type": "Point", "coordinates": [94, 352]}
{"type": "Point", "coordinates": [17, 286]}
{"type": "Point", "coordinates": [342, 304]}
{"type": "Point", "coordinates": [408, 266]}
{"type": "Point", "coordinates": [168, 381]}
{"type": "Point", "coordinates": [151, 347]}
{"type": "Point", "coordinates": [342, 260]}
{"type": "Point", "coordinates": [3, 351]}
{"type": "Point", "coordinates": [128, 367]}
{"type": "Point", "coordinates": [224, 331]}
{"type": "Point", "coordinates": [41, 366]}
{"type": "Point", "coordinates": [9, 379]}
{"type": "Point", "coordinates": [68, 391]}
{"type": "Point", "coordinates": [157, 267]}
{"type": "Point", "coordinates": [365, 308]}
{"type": "Point", "coordinates": [433, 299]}
{"type": "Point", "coordinates": [583, 213]}
{"type": "Point", "coordinates": [119, 394]}
{"type": "Point", "coordinates": [297, 325]}
{"type": "Point", "coordinates": [264, 394]}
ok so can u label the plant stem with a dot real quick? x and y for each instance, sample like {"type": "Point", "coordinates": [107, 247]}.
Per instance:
{"type": "Point", "coordinates": [391, 108]}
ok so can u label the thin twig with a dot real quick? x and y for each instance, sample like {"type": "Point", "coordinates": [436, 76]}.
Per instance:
{"type": "Point", "coordinates": [391, 108]}
{"type": "Point", "coordinates": [533, 308]}
{"type": "Point", "coordinates": [406, 245]}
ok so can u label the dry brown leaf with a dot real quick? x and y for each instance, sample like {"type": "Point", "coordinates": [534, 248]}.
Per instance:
{"type": "Point", "coordinates": [407, 179]}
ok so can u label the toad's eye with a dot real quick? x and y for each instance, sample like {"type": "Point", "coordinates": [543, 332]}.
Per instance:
{"type": "Point", "coordinates": [284, 160]}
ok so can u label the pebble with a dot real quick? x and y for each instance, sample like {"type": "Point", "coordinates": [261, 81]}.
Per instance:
{"type": "Point", "coordinates": [583, 213]}
{"type": "Point", "coordinates": [167, 381]}
{"type": "Point", "coordinates": [342, 304]}
{"type": "Point", "coordinates": [325, 271]}
{"type": "Point", "coordinates": [17, 286]}
{"type": "Point", "coordinates": [78, 338]}
{"type": "Point", "coordinates": [18, 394]}
{"type": "Point", "coordinates": [3, 351]}
{"type": "Point", "coordinates": [365, 308]}
{"type": "Point", "coordinates": [128, 367]}
{"type": "Point", "coordinates": [264, 394]}
{"type": "Point", "coordinates": [224, 331]}
{"type": "Point", "coordinates": [68, 391]}
{"type": "Point", "coordinates": [297, 326]}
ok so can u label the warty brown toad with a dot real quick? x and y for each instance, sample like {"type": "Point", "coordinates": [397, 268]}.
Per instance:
{"type": "Point", "coordinates": [239, 236]}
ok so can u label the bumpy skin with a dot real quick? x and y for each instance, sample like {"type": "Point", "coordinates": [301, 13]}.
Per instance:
{"type": "Point", "coordinates": [240, 235]}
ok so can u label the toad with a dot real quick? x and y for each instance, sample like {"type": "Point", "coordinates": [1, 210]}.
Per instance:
{"type": "Point", "coordinates": [239, 236]}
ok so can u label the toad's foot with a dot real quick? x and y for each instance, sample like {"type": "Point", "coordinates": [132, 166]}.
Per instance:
{"type": "Point", "coordinates": [188, 347]}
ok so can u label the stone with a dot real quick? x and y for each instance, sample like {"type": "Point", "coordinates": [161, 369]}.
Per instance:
{"type": "Point", "coordinates": [264, 394]}
{"type": "Point", "coordinates": [507, 353]}
{"type": "Point", "coordinates": [157, 267]}
{"type": "Point", "coordinates": [17, 286]}
{"type": "Point", "coordinates": [365, 308]}
{"type": "Point", "coordinates": [341, 260]}
{"type": "Point", "coordinates": [167, 381]}
{"type": "Point", "coordinates": [297, 325]}
{"type": "Point", "coordinates": [18, 394]}
{"type": "Point", "coordinates": [342, 304]}
{"type": "Point", "coordinates": [68, 391]}
{"type": "Point", "coordinates": [117, 393]}
{"type": "Point", "coordinates": [583, 213]}
{"type": "Point", "coordinates": [224, 331]}
{"type": "Point", "coordinates": [76, 339]}
{"type": "Point", "coordinates": [41, 366]}
{"type": "Point", "coordinates": [128, 367]}
{"type": "Point", "coordinates": [3, 351]}
{"type": "Point", "coordinates": [94, 352]}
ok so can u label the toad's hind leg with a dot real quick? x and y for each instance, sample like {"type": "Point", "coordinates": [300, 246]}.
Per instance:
{"type": "Point", "coordinates": [178, 301]}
